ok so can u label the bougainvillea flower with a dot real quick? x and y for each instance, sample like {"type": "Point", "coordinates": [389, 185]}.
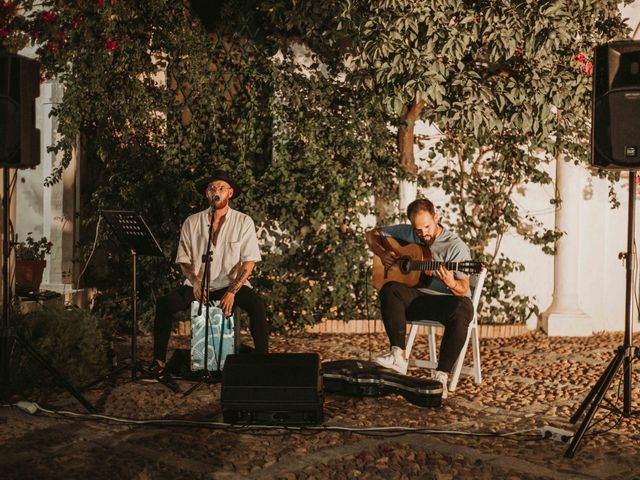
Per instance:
{"type": "Point", "coordinates": [109, 44]}
{"type": "Point", "coordinates": [48, 17]}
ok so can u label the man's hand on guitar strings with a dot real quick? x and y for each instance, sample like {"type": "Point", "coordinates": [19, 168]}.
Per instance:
{"type": "Point", "coordinates": [446, 276]}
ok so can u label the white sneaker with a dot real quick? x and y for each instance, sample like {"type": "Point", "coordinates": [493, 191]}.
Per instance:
{"type": "Point", "coordinates": [394, 360]}
{"type": "Point", "coordinates": [443, 378]}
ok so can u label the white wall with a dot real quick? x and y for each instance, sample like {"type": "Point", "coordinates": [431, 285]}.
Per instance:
{"type": "Point", "coordinates": [48, 211]}
{"type": "Point", "coordinates": [602, 236]}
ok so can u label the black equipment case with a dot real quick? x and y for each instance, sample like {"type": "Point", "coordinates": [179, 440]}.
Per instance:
{"type": "Point", "coordinates": [272, 389]}
{"type": "Point", "coordinates": [368, 379]}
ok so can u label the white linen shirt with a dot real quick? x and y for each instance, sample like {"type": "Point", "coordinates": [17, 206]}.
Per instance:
{"type": "Point", "coordinates": [237, 242]}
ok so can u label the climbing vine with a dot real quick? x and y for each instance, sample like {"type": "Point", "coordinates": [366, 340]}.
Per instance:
{"type": "Point", "coordinates": [312, 106]}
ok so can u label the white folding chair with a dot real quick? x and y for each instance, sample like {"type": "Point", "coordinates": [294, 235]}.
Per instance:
{"type": "Point", "coordinates": [472, 333]}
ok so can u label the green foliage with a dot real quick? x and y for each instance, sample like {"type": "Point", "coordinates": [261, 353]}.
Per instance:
{"type": "Point", "coordinates": [331, 154]}
{"type": "Point", "coordinates": [155, 120]}
{"type": "Point", "coordinates": [71, 340]}
{"type": "Point", "coordinates": [507, 83]}
{"type": "Point", "coordinates": [31, 249]}
{"type": "Point", "coordinates": [158, 102]}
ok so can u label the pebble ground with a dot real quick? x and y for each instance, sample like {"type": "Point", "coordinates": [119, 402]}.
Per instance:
{"type": "Point", "coordinates": [529, 381]}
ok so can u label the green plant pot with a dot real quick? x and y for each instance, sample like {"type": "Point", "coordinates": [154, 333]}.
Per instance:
{"type": "Point", "coordinates": [29, 273]}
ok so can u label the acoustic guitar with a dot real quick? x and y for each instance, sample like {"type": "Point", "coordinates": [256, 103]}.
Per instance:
{"type": "Point", "coordinates": [413, 259]}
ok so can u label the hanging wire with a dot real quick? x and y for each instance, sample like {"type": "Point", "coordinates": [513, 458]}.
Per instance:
{"type": "Point", "coordinates": [93, 249]}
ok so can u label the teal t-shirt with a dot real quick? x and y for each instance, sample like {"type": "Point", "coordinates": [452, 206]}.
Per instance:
{"type": "Point", "coordinates": [447, 247]}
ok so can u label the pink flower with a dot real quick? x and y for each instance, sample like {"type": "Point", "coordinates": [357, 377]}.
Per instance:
{"type": "Point", "coordinates": [588, 68]}
{"type": "Point", "coordinates": [109, 44]}
{"type": "Point", "coordinates": [4, 33]}
{"type": "Point", "coordinates": [518, 51]}
{"type": "Point", "coordinates": [48, 17]}
{"type": "Point", "coordinates": [52, 47]}
{"type": "Point", "coordinates": [100, 3]}
{"type": "Point", "coordinates": [580, 58]}
{"type": "Point", "coordinates": [194, 24]}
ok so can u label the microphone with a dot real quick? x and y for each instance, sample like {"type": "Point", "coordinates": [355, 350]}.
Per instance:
{"type": "Point", "coordinates": [213, 205]}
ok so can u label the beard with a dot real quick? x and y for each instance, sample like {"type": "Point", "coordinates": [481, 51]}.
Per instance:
{"type": "Point", "coordinates": [220, 204]}
{"type": "Point", "coordinates": [428, 242]}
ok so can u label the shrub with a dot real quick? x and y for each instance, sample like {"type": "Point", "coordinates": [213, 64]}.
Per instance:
{"type": "Point", "coordinates": [71, 340]}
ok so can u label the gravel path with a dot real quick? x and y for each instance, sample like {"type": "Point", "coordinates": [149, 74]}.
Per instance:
{"type": "Point", "coordinates": [529, 381]}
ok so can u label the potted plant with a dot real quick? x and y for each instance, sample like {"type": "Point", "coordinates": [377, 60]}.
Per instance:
{"type": "Point", "coordinates": [30, 262]}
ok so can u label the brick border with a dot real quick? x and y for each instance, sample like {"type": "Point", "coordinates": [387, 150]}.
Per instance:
{"type": "Point", "coordinates": [357, 327]}
{"type": "Point", "coordinates": [375, 326]}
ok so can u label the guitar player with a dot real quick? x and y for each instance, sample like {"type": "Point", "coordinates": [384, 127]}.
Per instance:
{"type": "Point", "coordinates": [443, 295]}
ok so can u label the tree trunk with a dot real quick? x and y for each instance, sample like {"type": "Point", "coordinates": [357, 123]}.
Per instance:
{"type": "Point", "coordinates": [408, 117]}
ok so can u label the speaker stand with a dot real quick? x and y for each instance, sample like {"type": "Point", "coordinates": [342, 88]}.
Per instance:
{"type": "Point", "coordinates": [8, 335]}
{"type": "Point", "coordinates": [625, 353]}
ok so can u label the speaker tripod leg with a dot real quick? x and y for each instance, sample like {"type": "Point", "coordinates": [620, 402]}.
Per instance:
{"type": "Point", "coordinates": [63, 381]}
{"type": "Point", "coordinates": [628, 378]}
{"type": "Point", "coordinates": [596, 388]}
{"type": "Point", "coordinates": [604, 382]}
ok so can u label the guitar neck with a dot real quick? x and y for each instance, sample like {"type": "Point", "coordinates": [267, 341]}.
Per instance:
{"type": "Point", "coordinates": [431, 265]}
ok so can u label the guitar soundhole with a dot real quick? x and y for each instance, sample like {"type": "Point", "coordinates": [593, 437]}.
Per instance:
{"type": "Point", "coordinates": [403, 264]}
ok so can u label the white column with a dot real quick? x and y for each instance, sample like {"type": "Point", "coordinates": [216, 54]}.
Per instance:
{"type": "Point", "coordinates": [58, 200]}
{"type": "Point", "coordinates": [564, 317]}
{"type": "Point", "coordinates": [408, 192]}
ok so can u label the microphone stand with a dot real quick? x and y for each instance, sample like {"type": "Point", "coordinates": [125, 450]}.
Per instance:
{"type": "Point", "coordinates": [204, 294]}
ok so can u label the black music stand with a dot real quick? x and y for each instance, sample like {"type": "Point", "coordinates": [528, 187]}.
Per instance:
{"type": "Point", "coordinates": [132, 232]}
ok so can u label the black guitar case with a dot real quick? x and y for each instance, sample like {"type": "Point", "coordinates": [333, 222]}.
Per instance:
{"type": "Point", "coordinates": [368, 379]}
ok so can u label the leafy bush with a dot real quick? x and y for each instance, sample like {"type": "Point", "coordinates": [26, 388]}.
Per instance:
{"type": "Point", "coordinates": [72, 340]}
{"type": "Point", "coordinates": [159, 101]}
{"type": "Point", "coordinates": [32, 249]}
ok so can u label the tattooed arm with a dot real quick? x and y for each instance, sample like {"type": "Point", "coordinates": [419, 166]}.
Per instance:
{"type": "Point", "coordinates": [226, 302]}
{"type": "Point", "coordinates": [242, 276]}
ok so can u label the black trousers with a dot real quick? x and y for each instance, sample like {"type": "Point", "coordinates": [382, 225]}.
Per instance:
{"type": "Point", "coordinates": [400, 303]}
{"type": "Point", "coordinates": [180, 299]}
